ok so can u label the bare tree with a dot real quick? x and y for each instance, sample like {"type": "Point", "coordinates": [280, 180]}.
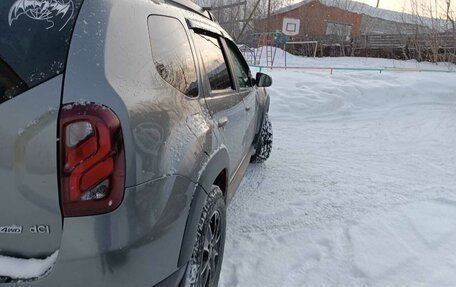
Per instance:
{"type": "Point", "coordinates": [425, 43]}
{"type": "Point", "coordinates": [449, 13]}
{"type": "Point", "coordinates": [344, 37]}
{"type": "Point", "coordinates": [450, 16]}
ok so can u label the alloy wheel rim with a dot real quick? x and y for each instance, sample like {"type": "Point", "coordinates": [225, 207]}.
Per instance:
{"type": "Point", "coordinates": [211, 249]}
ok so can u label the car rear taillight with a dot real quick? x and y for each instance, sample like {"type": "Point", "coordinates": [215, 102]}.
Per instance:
{"type": "Point", "coordinates": [92, 160]}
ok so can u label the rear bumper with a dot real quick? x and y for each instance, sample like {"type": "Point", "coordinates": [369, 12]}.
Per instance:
{"type": "Point", "coordinates": [136, 245]}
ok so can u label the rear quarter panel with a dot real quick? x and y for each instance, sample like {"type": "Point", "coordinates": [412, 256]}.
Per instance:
{"type": "Point", "coordinates": [28, 171]}
{"type": "Point", "coordinates": [166, 135]}
{"type": "Point", "coordinates": [110, 62]}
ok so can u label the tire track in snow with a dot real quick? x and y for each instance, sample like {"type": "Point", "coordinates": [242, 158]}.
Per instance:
{"type": "Point", "coordinates": [353, 154]}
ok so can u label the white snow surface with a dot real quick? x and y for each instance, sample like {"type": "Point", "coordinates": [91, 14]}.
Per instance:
{"type": "Point", "coordinates": [24, 269]}
{"type": "Point", "coordinates": [360, 189]}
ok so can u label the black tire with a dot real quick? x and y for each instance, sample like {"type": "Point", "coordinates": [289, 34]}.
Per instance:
{"type": "Point", "coordinates": [264, 145]}
{"type": "Point", "coordinates": [206, 262]}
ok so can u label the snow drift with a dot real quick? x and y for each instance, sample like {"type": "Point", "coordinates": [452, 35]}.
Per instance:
{"type": "Point", "coordinates": [360, 189]}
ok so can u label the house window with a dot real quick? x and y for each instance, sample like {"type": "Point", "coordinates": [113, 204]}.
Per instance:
{"type": "Point", "coordinates": [339, 29]}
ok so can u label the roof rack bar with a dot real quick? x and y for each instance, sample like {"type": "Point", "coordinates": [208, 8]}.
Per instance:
{"type": "Point", "coordinates": [189, 5]}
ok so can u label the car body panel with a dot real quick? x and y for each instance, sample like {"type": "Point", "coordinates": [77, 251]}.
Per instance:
{"type": "Point", "coordinates": [174, 151]}
{"type": "Point", "coordinates": [136, 245]}
{"type": "Point", "coordinates": [212, 169]}
{"type": "Point", "coordinates": [228, 110]}
{"type": "Point", "coordinates": [252, 109]}
{"type": "Point", "coordinates": [122, 75]}
{"type": "Point", "coordinates": [28, 172]}
{"type": "Point", "coordinates": [263, 100]}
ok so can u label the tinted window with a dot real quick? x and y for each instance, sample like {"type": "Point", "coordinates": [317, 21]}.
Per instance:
{"type": "Point", "coordinates": [214, 62]}
{"type": "Point", "coordinates": [172, 54]}
{"type": "Point", "coordinates": [241, 68]}
{"type": "Point", "coordinates": [34, 42]}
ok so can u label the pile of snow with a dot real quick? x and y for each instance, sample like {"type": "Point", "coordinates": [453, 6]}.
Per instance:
{"type": "Point", "coordinates": [25, 269]}
{"type": "Point", "coordinates": [345, 62]}
{"type": "Point", "coordinates": [360, 189]}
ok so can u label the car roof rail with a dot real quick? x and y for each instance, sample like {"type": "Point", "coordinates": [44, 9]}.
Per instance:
{"type": "Point", "coordinates": [189, 5]}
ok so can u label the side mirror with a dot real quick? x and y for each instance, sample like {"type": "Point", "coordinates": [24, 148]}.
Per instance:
{"type": "Point", "coordinates": [263, 80]}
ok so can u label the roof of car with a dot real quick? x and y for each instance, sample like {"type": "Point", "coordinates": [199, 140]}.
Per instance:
{"type": "Point", "coordinates": [189, 5]}
{"type": "Point", "coordinates": [198, 17]}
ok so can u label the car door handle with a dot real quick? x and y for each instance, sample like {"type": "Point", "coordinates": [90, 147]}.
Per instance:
{"type": "Point", "coordinates": [222, 122]}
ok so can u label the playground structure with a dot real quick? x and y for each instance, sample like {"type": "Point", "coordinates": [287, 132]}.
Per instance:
{"type": "Point", "coordinates": [266, 44]}
{"type": "Point", "coordinates": [259, 44]}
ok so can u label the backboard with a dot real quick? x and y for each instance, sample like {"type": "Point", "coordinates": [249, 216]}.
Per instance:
{"type": "Point", "coordinates": [291, 26]}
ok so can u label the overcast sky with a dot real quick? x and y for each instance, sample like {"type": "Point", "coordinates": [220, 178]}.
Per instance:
{"type": "Point", "coordinates": [401, 5]}
{"type": "Point", "coordinates": [387, 4]}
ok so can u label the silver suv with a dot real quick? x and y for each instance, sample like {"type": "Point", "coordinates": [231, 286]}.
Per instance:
{"type": "Point", "coordinates": [126, 128]}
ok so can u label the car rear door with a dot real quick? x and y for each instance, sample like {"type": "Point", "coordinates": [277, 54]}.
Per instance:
{"type": "Point", "coordinates": [224, 102]}
{"type": "Point", "coordinates": [32, 60]}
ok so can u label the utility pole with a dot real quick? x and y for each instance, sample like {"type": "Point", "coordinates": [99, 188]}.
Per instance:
{"type": "Point", "coordinates": [378, 3]}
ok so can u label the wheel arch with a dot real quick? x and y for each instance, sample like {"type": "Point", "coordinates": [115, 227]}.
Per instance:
{"type": "Point", "coordinates": [213, 172]}
{"type": "Point", "coordinates": [264, 107]}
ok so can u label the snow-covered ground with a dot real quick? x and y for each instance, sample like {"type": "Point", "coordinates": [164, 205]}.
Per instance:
{"type": "Point", "coordinates": [361, 187]}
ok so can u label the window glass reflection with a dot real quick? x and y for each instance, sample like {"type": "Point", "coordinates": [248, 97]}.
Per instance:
{"type": "Point", "coordinates": [214, 62]}
{"type": "Point", "coordinates": [241, 69]}
{"type": "Point", "coordinates": [172, 54]}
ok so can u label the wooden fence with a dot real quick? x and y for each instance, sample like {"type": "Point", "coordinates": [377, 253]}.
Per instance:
{"type": "Point", "coordinates": [429, 47]}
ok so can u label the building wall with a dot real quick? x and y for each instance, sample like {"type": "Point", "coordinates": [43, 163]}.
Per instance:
{"type": "Point", "coordinates": [314, 17]}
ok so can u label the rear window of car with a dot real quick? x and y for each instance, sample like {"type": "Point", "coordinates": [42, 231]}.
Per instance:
{"type": "Point", "coordinates": [34, 42]}
{"type": "Point", "coordinates": [172, 54]}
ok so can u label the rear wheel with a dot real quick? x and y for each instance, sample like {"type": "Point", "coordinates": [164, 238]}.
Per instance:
{"type": "Point", "coordinates": [264, 146]}
{"type": "Point", "coordinates": [206, 261]}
